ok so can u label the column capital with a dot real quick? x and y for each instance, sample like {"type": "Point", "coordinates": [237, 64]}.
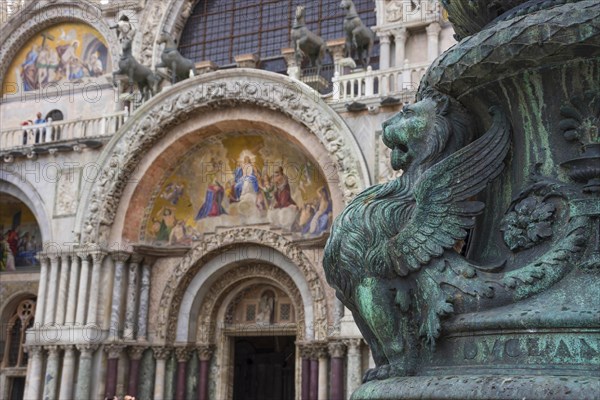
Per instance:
{"type": "Point", "coordinates": [337, 349]}
{"type": "Point", "coordinates": [33, 350]}
{"type": "Point", "coordinates": [69, 348]}
{"type": "Point", "coordinates": [43, 258]}
{"type": "Point", "coordinates": [320, 349]}
{"type": "Point", "coordinates": [384, 37]}
{"type": "Point", "coordinates": [120, 256]}
{"type": "Point", "coordinates": [53, 350]}
{"type": "Point", "coordinates": [353, 345]}
{"type": "Point", "coordinates": [97, 256]}
{"type": "Point", "coordinates": [114, 350]}
{"type": "Point", "coordinates": [87, 349]}
{"type": "Point", "coordinates": [183, 353]}
{"type": "Point", "coordinates": [433, 29]}
{"type": "Point", "coordinates": [161, 352]}
{"type": "Point", "coordinates": [401, 34]}
{"type": "Point", "coordinates": [136, 352]}
{"type": "Point", "coordinates": [205, 351]}
{"type": "Point", "coordinates": [53, 257]}
{"type": "Point", "coordinates": [136, 258]}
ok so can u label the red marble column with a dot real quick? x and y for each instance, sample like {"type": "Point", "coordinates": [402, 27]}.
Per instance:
{"type": "Point", "coordinates": [183, 355]}
{"type": "Point", "coordinates": [112, 369]}
{"type": "Point", "coordinates": [336, 351]}
{"type": "Point", "coordinates": [305, 379]}
{"type": "Point", "coordinates": [314, 377]}
{"type": "Point", "coordinates": [135, 357]}
{"type": "Point", "coordinates": [204, 354]}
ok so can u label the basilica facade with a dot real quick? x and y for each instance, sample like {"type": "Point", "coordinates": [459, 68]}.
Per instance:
{"type": "Point", "coordinates": [170, 246]}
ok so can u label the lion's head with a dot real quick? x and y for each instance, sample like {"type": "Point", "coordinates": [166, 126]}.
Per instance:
{"type": "Point", "coordinates": [424, 133]}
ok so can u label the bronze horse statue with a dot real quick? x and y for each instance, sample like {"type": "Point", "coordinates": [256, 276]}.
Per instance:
{"type": "Point", "coordinates": [171, 58]}
{"type": "Point", "coordinates": [143, 76]}
{"type": "Point", "coordinates": [359, 37]}
{"type": "Point", "coordinates": [305, 43]}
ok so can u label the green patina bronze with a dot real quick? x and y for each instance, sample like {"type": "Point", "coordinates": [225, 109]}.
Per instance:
{"type": "Point", "coordinates": [476, 273]}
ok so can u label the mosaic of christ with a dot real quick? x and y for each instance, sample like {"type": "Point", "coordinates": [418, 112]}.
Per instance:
{"type": "Point", "coordinates": [239, 180]}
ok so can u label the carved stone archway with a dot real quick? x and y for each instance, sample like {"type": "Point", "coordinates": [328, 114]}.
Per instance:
{"type": "Point", "coordinates": [214, 92]}
{"type": "Point", "coordinates": [231, 281]}
{"type": "Point", "coordinates": [16, 186]}
{"type": "Point", "coordinates": [172, 296]}
{"type": "Point", "coordinates": [38, 15]}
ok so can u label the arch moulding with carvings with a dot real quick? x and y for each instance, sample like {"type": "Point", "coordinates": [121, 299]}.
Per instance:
{"type": "Point", "coordinates": [202, 94]}
{"type": "Point", "coordinates": [192, 262]}
{"type": "Point", "coordinates": [37, 16]}
{"type": "Point", "coordinates": [230, 282]}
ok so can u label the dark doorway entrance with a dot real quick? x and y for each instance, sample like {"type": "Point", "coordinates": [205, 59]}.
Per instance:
{"type": "Point", "coordinates": [17, 388]}
{"type": "Point", "coordinates": [264, 368]}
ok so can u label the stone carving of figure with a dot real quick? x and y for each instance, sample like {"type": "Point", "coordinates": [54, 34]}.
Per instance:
{"type": "Point", "coordinates": [265, 308]}
{"type": "Point", "coordinates": [125, 29]}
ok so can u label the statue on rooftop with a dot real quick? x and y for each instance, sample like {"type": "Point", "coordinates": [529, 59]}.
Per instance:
{"type": "Point", "coordinates": [359, 37]}
{"type": "Point", "coordinates": [180, 67]}
{"type": "Point", "coordinates": [306, 44]}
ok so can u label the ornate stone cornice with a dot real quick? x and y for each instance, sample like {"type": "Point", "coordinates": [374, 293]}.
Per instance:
{"type": "Point", "coordinates": [218, 90]}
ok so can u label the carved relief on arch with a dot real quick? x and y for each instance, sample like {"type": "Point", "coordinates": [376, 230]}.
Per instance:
{"type": "Point", "coordinates": [34, 18]}
{"type": "Point", "coordinates": [228, 283]}
{"type": "Point", "coordinates": [203, 95]}
{"type": "Point", "coordinates": [180, 279]}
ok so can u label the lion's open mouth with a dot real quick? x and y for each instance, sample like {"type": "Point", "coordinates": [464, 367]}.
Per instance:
{"type": "Point", "coordinates": [400, 157]}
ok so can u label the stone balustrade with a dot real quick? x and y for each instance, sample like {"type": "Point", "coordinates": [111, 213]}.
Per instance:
{"type": "Point", "coordinates": [378, 84]}
{"type": "Point", "coordinates": [29, 136]}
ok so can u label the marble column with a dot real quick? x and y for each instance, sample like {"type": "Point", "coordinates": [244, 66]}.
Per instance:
{"type": "Point", "coordinates": [305, 353]}
{"type": "Point", "coordinates": [73, 286]}
{"type": "Point", "coordinates": [205, 353]}
{"type": "Point", "coordinates": [41, 298]}
{"type": "Point", "coordinates": [130, 330]}
{"type": "Point", "coordinates": [120, 257]}
{"type": "Point", "coordinates": [51, 373]}
{"type": "Point", "coordinates": [112, 368]}
{"type": "Point", "coordinates": [84, 371]}
{"type": "Point", "coordinates": [336, 352]}
{"type": "Point", "coordinates": [313, 393]}
{"type": "Point", "coordinates": [354, 376]}
{"type": "Point", "coordinates": [183, 355]}
{"type": "Point", "coordinates": [34, 377]}
{"type": "Point", "coordinates": [82, 293]}
{"type": "Point", "coordinates": [160, 354]}
{"type": "Point", "coordinates": [68, 374]}
{"type": "Point", "coordinates": [433, 41]}
{"type": "Point", "coordinates": [142, 325]}
{"type": "Point", "coordinates": [61, 304]}
{"type": "Point", "coordinates": [135, 358]}
{"type": "Point", "coordinates": [92, 312]}
{"type": "Point", "coordinates": [323, 357]}
{"type": "Point", "coordinates": [400, 36]}
{"type": "Point", "coordinates": [52, 286]}
{"type": "Point", "coordinates": [384, 50]}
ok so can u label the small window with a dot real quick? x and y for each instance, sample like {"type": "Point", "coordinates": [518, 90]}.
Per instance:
{"type": "Point", "coordinates": [285, 312]}
{"type": "Point", "coordinates": [14, 356]}
{"type": "Point", "coordinates": [250, 312]}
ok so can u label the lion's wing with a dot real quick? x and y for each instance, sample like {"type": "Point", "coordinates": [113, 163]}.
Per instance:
{"type": "Point", "coordinates": [443, 212]}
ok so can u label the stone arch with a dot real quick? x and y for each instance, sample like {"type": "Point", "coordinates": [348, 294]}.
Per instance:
{"type": "Point", "coordinates": [178, 296]}
{"type": "Point", "coordinates": [33, 18]}
{"type": "Point", "coordinates": [230, 282]}
{"type": "Point", "coordinates": [197, 96]}
{"type": "Point", "coordinates": [12, 296]}
{"type": "Point", "coordinates": [18, 187]}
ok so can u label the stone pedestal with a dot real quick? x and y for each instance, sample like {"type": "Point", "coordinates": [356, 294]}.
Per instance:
{"type": "Point", "coordinates": [247, 60]}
